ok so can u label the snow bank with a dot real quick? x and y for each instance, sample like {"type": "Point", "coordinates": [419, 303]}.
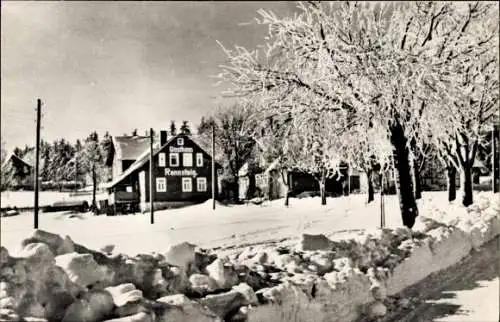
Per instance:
{"type": "Point", "coordinates": [450, 236]}
{"type": "Point", "coordinates": [320, 279]}
{"type": "Point", "coordinates": [392, 261]}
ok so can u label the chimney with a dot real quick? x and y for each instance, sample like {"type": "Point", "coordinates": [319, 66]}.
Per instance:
{"type": "Point", "coordinates": [163, 137]}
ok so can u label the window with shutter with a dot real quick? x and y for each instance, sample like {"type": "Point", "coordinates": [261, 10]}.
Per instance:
{"type": "Point", "coordinates": [187, 185]}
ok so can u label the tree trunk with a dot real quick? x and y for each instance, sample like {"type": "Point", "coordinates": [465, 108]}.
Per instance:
{"type": "Point", "coordinates": [495, 162]}
{"type": "Point", "coordinates": [286, 180]}
{"type": "Point", "coordinates": [416, 179]}
{"type": "Point", "coordinates": [407, 202]}
{"type": "Point", "coordinates": [346, 184]}
{"type": "Point", "coordinates": [382, 203]}
{"type": "Point", "coordinates": [94, 188]}
{"type": "Point", "coordinates": [322, 188]}
{"type": "Point", "coordinates": [287, 196]}
{"type": "Point", "coordinates": [236, 191]}
{"type": "Point", "coordinates": [452, 184]}
{"type": "Point", "coordinates": [467, 185]}
{"type": "Point", "coordinates": [371, 191]}
{"type": "Point", "coordinates": [251, 185]}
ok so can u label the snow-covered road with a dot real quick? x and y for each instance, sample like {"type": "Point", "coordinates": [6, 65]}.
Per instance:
{"type": "Point", "coordinates": [227, 226]}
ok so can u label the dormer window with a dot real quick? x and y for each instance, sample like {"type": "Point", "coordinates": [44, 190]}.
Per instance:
{"type": "Point", "coordinates": [180, 141]}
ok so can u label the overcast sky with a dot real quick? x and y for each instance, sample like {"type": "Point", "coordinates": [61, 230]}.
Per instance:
{"type": "Point", "coordinates": [115, 66]}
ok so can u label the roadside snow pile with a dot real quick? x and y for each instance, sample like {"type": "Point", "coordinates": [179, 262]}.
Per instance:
{"type": "Point", "coordinates": [54, 279]}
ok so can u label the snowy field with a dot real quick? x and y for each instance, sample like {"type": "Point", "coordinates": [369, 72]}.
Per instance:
{"type": "Point", "coordinates": [227, 226]}
{"type": "Point", "coordinates": [25, 199]}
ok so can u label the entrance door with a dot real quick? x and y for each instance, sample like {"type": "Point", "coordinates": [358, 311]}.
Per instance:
{"type": "Point", "coordinates": [142, 186]}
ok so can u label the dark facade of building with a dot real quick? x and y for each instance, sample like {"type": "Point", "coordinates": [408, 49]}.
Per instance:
{"type": "Point", "coordinates": [271, 184]}
{"type": "Point", "coordinates": [182, 173]}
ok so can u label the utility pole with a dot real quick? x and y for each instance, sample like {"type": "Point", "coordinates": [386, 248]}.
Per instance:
{"type": "Point", "coordinates": [348, 179]}
{"type": "Point", "coordinates": [494, 187]}
{"type": "Point", "coordinates": [151, 175]}
{"type": "Point", "coordinates": [76, 173]}
{"type": "Point", "coordinates": [213, 166]}
{"type": "Point", "coordinates": [37, 159]}
{"type": "Point", "coordinates": [382, 204]}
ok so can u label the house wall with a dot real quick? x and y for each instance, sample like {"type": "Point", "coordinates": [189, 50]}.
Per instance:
{"type": "Point", "coordinates": [174, 179]}
{"type": "Point", "coordinates": [117, 166]}
{"type": "Point", "coordinates": [302, 182]}
{"type": "Point", "coordinates": [273, 186]}
{"type": "Point", "coordinates": [270, 184]}
{"type": "Point", "coordinates": [277, 187]}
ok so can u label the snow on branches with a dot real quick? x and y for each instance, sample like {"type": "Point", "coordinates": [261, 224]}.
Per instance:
{"type": "Point", "coordinates": [402, 66]}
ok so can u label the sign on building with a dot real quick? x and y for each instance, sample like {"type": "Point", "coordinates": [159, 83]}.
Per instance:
{"type": "Point", "coordinates": [180, 173]}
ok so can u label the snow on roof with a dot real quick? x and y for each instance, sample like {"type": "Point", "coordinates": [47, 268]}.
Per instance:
{"type": "Point", "coordinates": [130, 147]}
{"type": "Point", "coordinates": [141, 160]}
{"type": "Point", "coordinates": [29, 157]}
{"type": "Point", "coordinates": [12, 155]}
{"type": "Point", "coordinates": [144, 157]}
{"type": "Point", "coordinates": [243, 170]}
{"type": "Point", "coordinates": [478, 164]}
{"type": "Point", "coordinates": [273, 165]}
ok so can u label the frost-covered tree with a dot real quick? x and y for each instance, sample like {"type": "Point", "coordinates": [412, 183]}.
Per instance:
{"type": "Point", "coordinates": [91, 162]}
{"type": "Point", "coordinates": [383, 61]}
{"type": "Point", "coordinates": [280, 146]}
{"type": "Point", "coordinates": [232, 125]}
{"type": "Point", "coordinates": [185, 129]}
{"type": "Point", "coordinates": [304, 145]}
{"type": "Point", "coordinates": [367, 148]}
{"type": "Point", "coordinates": [106, 145]}
{"type": "Point", "coordinates": [321, 151]}
{"type": "Point", "coordinates": [474, 84]}
{"type": "Point", "coordinates": [3, 152]}
{"type": "Point", "coordinates": [173, 128]}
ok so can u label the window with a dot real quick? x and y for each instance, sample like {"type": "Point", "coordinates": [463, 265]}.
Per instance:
{"type": "Point", "coordinates": [180, 141]}
{"type": "Point", "coordinates": [128, 189]}
{"type": "Point", "coordinates": [187, 159]}
{"type": "Point", "coordinates": [187, 185]}
{"type": "Point", "coordinates": [258, 180]}
{"type": "Point", "coordinates": [201, 184]}
{"type": "Point", "coordinates": [161, 184]}
{"type": "Point", "coordinates": [161, 160]}
{"type": "Point", "coordinates": [174, 159]}
{"type": "Point", "coordinates": [199, 159]}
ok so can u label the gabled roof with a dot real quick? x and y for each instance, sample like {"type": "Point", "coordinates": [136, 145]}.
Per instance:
{"type": "Point", "coordinates": [144, 158]}
{"type": "Point", "coordinates": [130, 147]}
{"type": "Point", "coordinates": [479, 164]}
{"type": "Point", "coordinates": [29, 157]}
{"type": "Point", "coordinates": [13, 156]}
{"type": "Point", "coordinates": [141, 160]}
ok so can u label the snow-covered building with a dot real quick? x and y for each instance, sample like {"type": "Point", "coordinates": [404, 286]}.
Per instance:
{"type": "Point", "coordinates": [17, 172]}
{"type": "Point", "coordinates": [271, 182]}
{"type": "Point", "coordinates": [182, 172]}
